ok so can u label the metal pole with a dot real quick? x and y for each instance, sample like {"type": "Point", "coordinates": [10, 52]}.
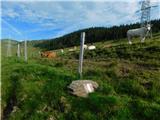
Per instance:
{"type": "Point", "coordinates": [81, 54]}
{"type": "Point", "coordinates": [25, 50]}
{"type": "Point", "coordinates": [18, 50]}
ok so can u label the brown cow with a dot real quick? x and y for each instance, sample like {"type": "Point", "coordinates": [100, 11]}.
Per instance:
{"type": "Point", "coordinates": [48, 54]}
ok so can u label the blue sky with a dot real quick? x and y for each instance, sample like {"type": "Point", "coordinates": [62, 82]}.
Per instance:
{"type": "Point", "coordinates": [35, 19]}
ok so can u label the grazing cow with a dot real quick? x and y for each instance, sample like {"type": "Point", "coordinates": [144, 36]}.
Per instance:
{"type": "Point", "coordinates": [48, 54]}
{"type": "Point", "coordinates": [92, 47]}
{"type": "Point", "coordinates": [142, 32]}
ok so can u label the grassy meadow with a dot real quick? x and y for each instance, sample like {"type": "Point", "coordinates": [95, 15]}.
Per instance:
{"type": "Point", "coordinates": [128, 78]}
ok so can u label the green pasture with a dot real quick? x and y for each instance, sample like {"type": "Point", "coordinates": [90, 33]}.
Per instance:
{"type": "Point", "coordinates": [128, 78]}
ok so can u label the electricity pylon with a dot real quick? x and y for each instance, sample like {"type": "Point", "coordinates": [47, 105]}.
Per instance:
{"type": "Point", "coordinates": [146, 12]}
{"type": "Point", "coordinates": [146, 15]}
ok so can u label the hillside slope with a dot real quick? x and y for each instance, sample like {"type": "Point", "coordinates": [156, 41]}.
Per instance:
{"type": "Point", "coordinates": [128, 78]}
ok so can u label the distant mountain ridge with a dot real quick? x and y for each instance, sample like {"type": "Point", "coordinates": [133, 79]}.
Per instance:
{"type": "Point", "coordinates": [95, 34]}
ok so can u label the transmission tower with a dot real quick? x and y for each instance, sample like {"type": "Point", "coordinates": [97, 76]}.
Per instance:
{"type": "Point", "coordinates": [146, 12]}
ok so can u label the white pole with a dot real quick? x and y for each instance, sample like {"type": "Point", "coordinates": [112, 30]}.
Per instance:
{"type": "Point", "coordinates": [18, 50]}
{"type": "Point", "coordinates": [25, 50]}
{"type": "Point", "coordinates": [81, 54]}
{"type": "Point", "coordinates": [9, 49]}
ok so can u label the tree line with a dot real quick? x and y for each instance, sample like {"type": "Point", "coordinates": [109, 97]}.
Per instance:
{"type": "Point", "coordinates": [94, 34]}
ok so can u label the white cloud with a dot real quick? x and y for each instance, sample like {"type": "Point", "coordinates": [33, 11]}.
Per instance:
{"type": "Point", "coordinates": [10, 13]}
{"type": "Point", "coordinates": [70, 16]}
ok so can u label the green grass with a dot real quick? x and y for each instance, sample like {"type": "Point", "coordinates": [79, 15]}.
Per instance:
{"type": "Point", "coordinates": [128, 78]}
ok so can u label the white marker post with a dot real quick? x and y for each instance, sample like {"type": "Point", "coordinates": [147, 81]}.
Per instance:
{"type": "Point", "coordinates": [25, 50]}
{"type": "Point", "coordinates": [9, 49]}
{"type": "Point", "coordinates": [81, 54]}
{"type": "Point", "coordinates": [18, 50]}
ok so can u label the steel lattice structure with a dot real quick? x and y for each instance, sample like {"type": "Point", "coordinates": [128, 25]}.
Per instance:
{"type": "Point", "coordinates": [146, 11]}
